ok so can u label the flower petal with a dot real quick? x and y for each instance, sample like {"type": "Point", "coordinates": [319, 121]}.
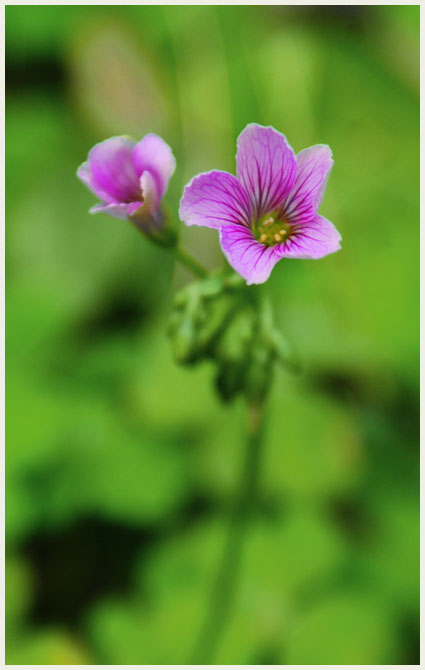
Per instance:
{"type": "Point", "coordinates": [314, 165]}
{"type": "Point", "coordinates": [112, 170]}
{"type": "Point", "coordinates": [314, 239]}
{"type": "Point", "coordinates": [154, 155]}
{"type": "Point", "coordinates": [84, 173]}
{"type": "Point", "coordinates": [117, 210]}
{"type": "Point", "coordinates": [148, 218]}
{"type": "Point", "coordinates": [266, 166]}
{"type": "Point", "coordinates": [215, 199]}
{"type": "Point", "coordinates": [149, 190]}
{"type": "Point", "coordinates": [251, 259]}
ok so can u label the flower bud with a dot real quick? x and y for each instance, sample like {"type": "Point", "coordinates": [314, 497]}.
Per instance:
{"type": "Point", "coordinates": [259, 373]}
{"type": "Point", "coordinates": [184, 341]}
{"type": "Point", "coordinates": [233, 354]}
{"type": "Point", "coordinates": [284, 353]}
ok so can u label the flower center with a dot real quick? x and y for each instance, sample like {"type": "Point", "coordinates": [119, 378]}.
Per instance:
{"type": "Point", "coordinates": [270, 230]}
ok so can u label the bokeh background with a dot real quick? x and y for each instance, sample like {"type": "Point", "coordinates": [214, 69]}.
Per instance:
{"type": "Point", "coordinates": [121, 466]}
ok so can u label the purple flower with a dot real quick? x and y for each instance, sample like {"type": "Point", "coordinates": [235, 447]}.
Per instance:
{"type": "Point", "coordinates": [129, 178]}
{"type": "Point", "coordinates": [269, 211]}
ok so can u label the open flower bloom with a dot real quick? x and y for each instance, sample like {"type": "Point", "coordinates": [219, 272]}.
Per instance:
{"type": "Point", "coordinates": [269, 210]}
{"type": "Point", "coordinates": [129, 178]}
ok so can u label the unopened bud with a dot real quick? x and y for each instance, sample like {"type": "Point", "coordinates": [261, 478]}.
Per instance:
{"type": "Point", "coordinates": [259, 373]}
{"type": "Point", "coordinates": [184, 341]}
{"type": "Point", "coordinates": [284, 353]}
{"type": "Point", "coordinates": [233, 354]}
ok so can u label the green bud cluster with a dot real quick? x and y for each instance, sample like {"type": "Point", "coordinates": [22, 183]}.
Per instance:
{"type": "Point", "coordinates": [219, 319]}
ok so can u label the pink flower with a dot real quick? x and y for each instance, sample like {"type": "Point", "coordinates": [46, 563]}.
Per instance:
{"type": "Point", "coordinates": [269, 211]}
{"type": "Point", "coordinates": [130, 179]}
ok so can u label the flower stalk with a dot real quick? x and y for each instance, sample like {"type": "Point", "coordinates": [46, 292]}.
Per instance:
{"type": "Point", "coordinates": [224, 588]}
{"type": "Point", "coordinates": [189, 262]}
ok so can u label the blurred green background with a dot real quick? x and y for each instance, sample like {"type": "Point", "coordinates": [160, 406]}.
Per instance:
{"type": "Point", "coordinates": [121, 466]}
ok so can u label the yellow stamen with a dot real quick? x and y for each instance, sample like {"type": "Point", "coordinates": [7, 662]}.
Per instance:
{"type": "Point", "coordinates": [263, 237]}
{"type": "Point", "coordinates": [278, 237]}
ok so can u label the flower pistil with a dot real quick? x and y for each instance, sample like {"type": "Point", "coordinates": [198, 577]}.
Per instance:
{"type": "Point", "coordinates": [272, 229]}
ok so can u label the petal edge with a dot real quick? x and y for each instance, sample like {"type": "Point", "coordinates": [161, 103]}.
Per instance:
{"type": "Point", "coordinates": [117, 210]}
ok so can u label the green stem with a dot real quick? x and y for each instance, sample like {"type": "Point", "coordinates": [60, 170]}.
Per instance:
{"type": "Point", "coordinates": [166, 238]}
{"type": "Point", "coordinates": [186, 259]}
{"type": "Point", "coordinates": [225, 584]}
